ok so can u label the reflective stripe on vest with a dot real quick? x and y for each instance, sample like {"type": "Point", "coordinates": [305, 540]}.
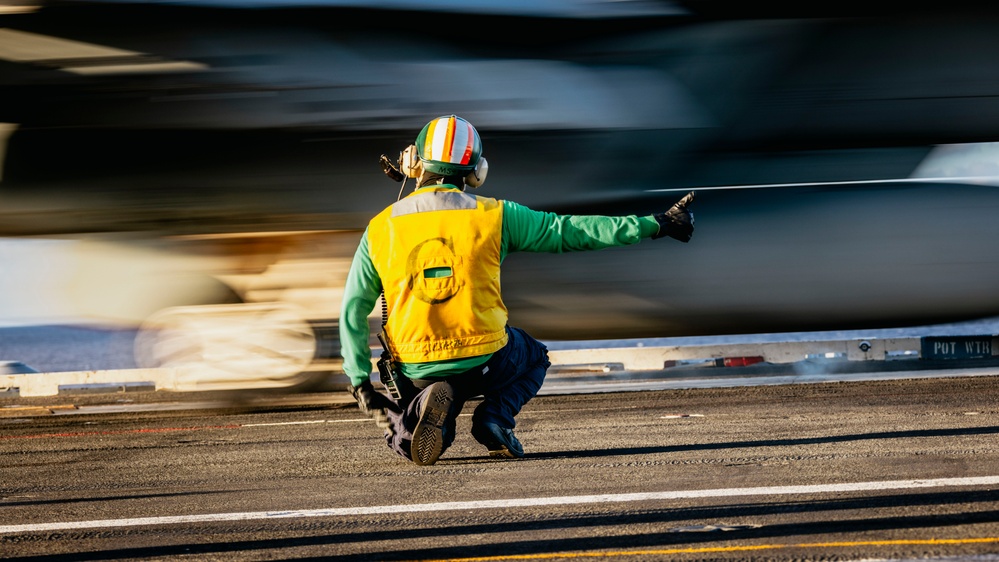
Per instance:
{"type": "Point", "coordinates": [437, 252]}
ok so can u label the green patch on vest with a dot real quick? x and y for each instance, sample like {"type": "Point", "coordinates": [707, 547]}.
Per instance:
{"type": "Point", "coordinates": [436, 272]}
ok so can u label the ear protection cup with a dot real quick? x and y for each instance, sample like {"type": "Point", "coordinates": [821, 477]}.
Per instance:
{"type": "Point", "coordinates": [410, 163]}
{"type": "Point", "coordinates": [477, 177]}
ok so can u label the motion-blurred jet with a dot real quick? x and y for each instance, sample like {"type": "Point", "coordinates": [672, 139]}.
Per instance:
{"type": "Point", "coordinates": [842, 157]}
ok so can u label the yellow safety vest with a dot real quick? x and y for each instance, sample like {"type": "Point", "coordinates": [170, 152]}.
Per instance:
{"type": "Point", "coordinates": [437, 252]}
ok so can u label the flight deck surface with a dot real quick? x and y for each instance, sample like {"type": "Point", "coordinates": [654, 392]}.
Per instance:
{"type": "Point", "coordinates": [767, 466]}
{"type": "Point", "coordinates": [883, 469]}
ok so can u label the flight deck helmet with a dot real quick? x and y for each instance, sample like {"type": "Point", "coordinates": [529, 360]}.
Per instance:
{"type": "Point", "coordinates": [450, 146]}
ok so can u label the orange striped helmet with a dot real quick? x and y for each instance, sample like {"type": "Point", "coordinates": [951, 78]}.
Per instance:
{"type": "Point", "coordinates": [449, 146]}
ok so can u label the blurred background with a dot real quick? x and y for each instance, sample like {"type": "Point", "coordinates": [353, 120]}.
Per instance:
{"type": "Point", "coordinates": [201, 170]}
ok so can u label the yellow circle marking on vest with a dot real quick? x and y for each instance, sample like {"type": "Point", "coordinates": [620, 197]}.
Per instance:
{"type": "Point", "coordinates": [413, 272]}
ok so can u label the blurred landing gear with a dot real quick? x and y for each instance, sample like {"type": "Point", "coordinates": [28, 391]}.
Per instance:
{"type": "Point", "coordinates": [229, 347]}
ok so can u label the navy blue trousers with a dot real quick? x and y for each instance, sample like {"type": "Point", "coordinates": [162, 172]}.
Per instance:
{"type": "Point", "coordinates": [511, 377]}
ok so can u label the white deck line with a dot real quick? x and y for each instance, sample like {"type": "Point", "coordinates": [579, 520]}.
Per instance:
{"type": "Point", "coordinates": [504, 503]}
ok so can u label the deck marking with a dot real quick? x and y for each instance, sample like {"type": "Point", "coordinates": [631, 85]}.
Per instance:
{"type": "Point", "coordinates": [717, 549]}
{"type": "Point", "coordinates": [120, 432]}
{"type": "Point", "coordinates": [168, 429]}
{"type": "Point", "coordinates": [306, 422]}
{"type": "Point", "coordinates": [508, 503]}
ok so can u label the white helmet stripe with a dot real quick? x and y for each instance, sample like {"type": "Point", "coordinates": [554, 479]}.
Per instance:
{"type": "Point", "coordinates": [437, 141]}
{"type": "Point", "coordinates": [461, 147]}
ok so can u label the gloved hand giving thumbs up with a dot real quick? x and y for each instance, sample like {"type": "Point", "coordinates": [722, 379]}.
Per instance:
{"type": "Point", "coordinates": [678, 221]}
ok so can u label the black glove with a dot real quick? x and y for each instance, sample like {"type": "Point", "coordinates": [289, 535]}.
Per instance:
{"type": "Point", "coordinates": [677, 222]}
{"type": "Point", "coordinates": [390, 170]}
{"type": "Point", "coordinates": [372, 403]}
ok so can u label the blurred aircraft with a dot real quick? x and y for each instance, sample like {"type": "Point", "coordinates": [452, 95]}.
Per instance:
{"type": "Point", "coordinates": [842, 152]}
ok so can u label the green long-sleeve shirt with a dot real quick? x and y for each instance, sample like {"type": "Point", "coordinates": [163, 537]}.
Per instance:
{"type": "Point", "coordinates": [524, 230]}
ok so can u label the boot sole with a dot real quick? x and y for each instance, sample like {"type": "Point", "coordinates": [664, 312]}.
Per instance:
{"type": "Point", "coordinates": [428, 437]}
